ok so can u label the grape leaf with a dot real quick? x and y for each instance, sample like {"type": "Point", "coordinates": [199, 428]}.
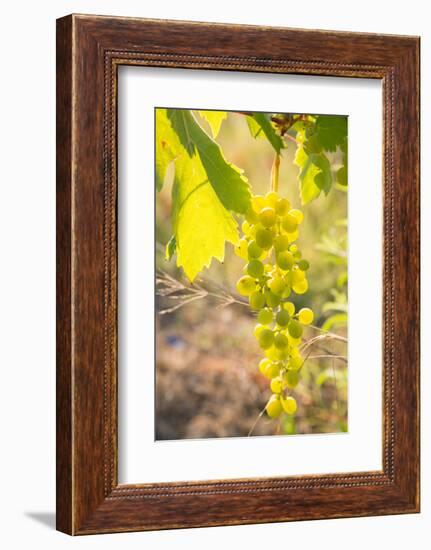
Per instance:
{"type": "Point", "coordinates": [180, 122]}
{"type": "Point", "coordinates": [314, 174]}
{"type": "Point", "coordinates": [331, 131]}
{"type": "Point", "coordinates": [262, 121]}
{"type": "Point", "coordinates": [228, 181]}
{"type": "Point", "coordinates": [202, 225]}
{"type": "Point", "coordinates": [214, 119]}
{"type": "Point", "coordinates": [254, 128]}
{"type": "Point", "coordinates": [167, 146]}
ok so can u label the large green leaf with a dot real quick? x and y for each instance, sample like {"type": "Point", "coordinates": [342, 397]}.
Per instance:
{"type": "Point", "coordinates": [314, 174]}
{"type": "Point", "coordinates": [167, 146]}
{"type": "Point", "coordinates": [331, 131]}
{"type": "Point", "coordinates": [262, 121]}
{"type": "Point", "coordinates": [228, 181]}
{"type": "Point", "coordinates": [202, 225]}
{"type": "Point", "coordinates": [214, 119]}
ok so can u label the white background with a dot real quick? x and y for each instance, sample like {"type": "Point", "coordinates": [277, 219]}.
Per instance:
{"type": "Point", "coordinates": [141, 458]}
{"type": "Point", "coordinates": [27, 120]}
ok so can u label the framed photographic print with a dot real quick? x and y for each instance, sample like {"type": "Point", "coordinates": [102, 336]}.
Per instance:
{"type": "Point", "coordinates": [237, 274]}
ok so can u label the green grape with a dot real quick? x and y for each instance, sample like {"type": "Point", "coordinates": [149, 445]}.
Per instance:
{"type": "Point", "coordinates": [264, 364]}
{"type": "Point", "coordinates": [281, 243]}
{"type": "Point", "coordinates": [254, 251]}
{"type": "Point", "coordinates": [264, 238]}
{"type": "Point", "coordinates": [293, 248]}
{"type": "Point", "coordinates": [258, 203]}
{"type": "Point", "coordinates": [271, 198]}
{"type": "Point", "coordinates": [293, 341]}
{"type": "Point", "coordinates": [303, 265]}
{"type": "Point", "coordinates": [282, 207]}
{"type": "Point", "coordinates": [291, 378]}
{"type": "Point", "coordinates": [276, 385]}
{"type": "Point", "coordinates": [277, 285]}
{"type": "Point", "coordinates": [266, 338]}
{"type": "Point", "coordinates": [301, 287]}
{"type": "Point", "coordinates": [241, 249]}
{"type": "Point", "coordinates": [255, 269]}
{"type": "Point", "coordinates": [258, 329]}
{"type": "Point", "coordinates": [285, 260]}
{"type": "Point", "coordinates": [246, 285]}
{"type": "Point", "coordinates": [297, 255]}
{"type": "Point", "coordinates": [306, 316]}
{"type": "Point", "coordinates": [265, 316]}
{"type": "Point", "coordinates": [281, 341]}
{"type": "Point", "coordinates": [289, 223]}
{"type": "Point", "coordinates": [297, 214]}
{"type": "Point", "coordinates": [286, 292]}
{"type": "Point", "coordinates": [247, 229]}
{"type": "Point", "coordinates": [289, 405]}
{"type": "Point", "coordinates": [256, 300]}
{"type": "Point", "coordinates": [272, 370]}
{"type": "Point", "coordinates": [282, 318]}
{"type": "Point", "coordinates": [297, 275]}
{"type": "Point", "coordinates": [267, 217]}
{"type": "Point", "coordinates": [294, 328]}
{"type": "Point", "coordinates": [295, 363]}
{"type": "Point", "coordinates": [290, 308]}
{"type": "Point", "coordinates": [272, 299]}
{"type": "Point", "coordinates": [273, 407]}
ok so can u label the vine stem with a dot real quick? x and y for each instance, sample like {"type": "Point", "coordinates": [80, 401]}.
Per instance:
{"type": "Point", "coordinates": [275, 173]}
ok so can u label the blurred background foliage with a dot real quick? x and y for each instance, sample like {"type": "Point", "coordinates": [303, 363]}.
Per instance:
{"type": "Point", "coordinates": [207, 378]}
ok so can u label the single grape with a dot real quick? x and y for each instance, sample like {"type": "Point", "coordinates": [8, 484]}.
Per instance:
{"type": "Point", "coordinates": [265, 316]}
{"type": "Point", "coordinates": [276, 385]}
{"type": "Point", "coordinates": [264, 364]}
{"type": "Point", "coordinates": [293, 341]}
{"type": "Point", "coordinates": [301, 287]}
{"type": "Point", "coordinates": [255, 269]}
{"type": "Point", "coordinates": [293, 248]}
{"type": "Point", "coordinates": [257, 330]}
{"type": "Point", "coordinates": [273, 407]}
{"type": "Point", "coordinates": [306, 316]}
{"type": "Point", "coordinates": [280, 341]}
{"type": "Point", "coordinates": [297, 275]}
{"type": "Point", "coordinates": [295, 363]}
{"type": "Point", "coordinates": [266, 338]}
{"type": "Point", "coordinates": [289, 223]}
{"type": "Point", "coordinates": [272, 299]}
{"type": "Point", "coordinates": [285, 260]}
{"type": "Point", "coordinates": [272, 370]}
{"type": "Point", "coordinates": [289, 405]}
{"type": "Point", "coordinates": [292, 236]}
{"type": "Point", "coordinates": [271, 198]}
{"type": "Point", "coordinates": [294, 328]}
{"type": "Point", "coordinates": [290, 308]}
{"type": "Point", "coordinates": [282, 207]}
{"type": "Point", "coordinates": [254, 251]}
{"type": "Point", "coordinates": [241, 249]}
{"type": "Point", "coordinates": [246, 285]}
{"type": "Point", "coordinates": [297, 214]}
{"type": "Point", "coordinates": [291, 378]}
{"type": "Point", "coordinates": [281, 243]}
{"type": "Point", "coordinates": [256, 300]}
{"type": "Point", "coordinates": [258, 203]}
{"type": "Point", "coordinates": [267, 217]}
{"type": "Point", "coordinates": [264, 238]}
{"type": "Point", "coordinates": [277, 285]}
{"type": "Point", "coordinates": [282, 318]}
{"type": "Point", "coordinates": [303, 265]}
{"type": "Point", "coordinates": [287, 291]}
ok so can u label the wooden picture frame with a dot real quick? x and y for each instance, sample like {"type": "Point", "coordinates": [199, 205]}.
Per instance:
{"type": "Point", "coordinates": [89, 52]}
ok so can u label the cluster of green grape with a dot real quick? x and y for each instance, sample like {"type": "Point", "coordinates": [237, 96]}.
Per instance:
{"type": "Point", "coordinates": [274, 270]}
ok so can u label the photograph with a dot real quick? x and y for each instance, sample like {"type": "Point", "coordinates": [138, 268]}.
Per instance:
{"type": "Point", "coordinates": [251, 277]}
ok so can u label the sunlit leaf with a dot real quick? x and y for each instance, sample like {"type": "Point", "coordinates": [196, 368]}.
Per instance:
{"type": "Point", "coordinates": [228, 181]}
{"type": "Point", "coordinates": [337, 320]}
{"type": "Point", "coordinates": [214, 119]}
{"type": "Point", "coordinates": [314, 174]}
{"type": "Point", "coordinates": [202, 225]}
{"type": "Point", "coordinates": [167, 146]}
